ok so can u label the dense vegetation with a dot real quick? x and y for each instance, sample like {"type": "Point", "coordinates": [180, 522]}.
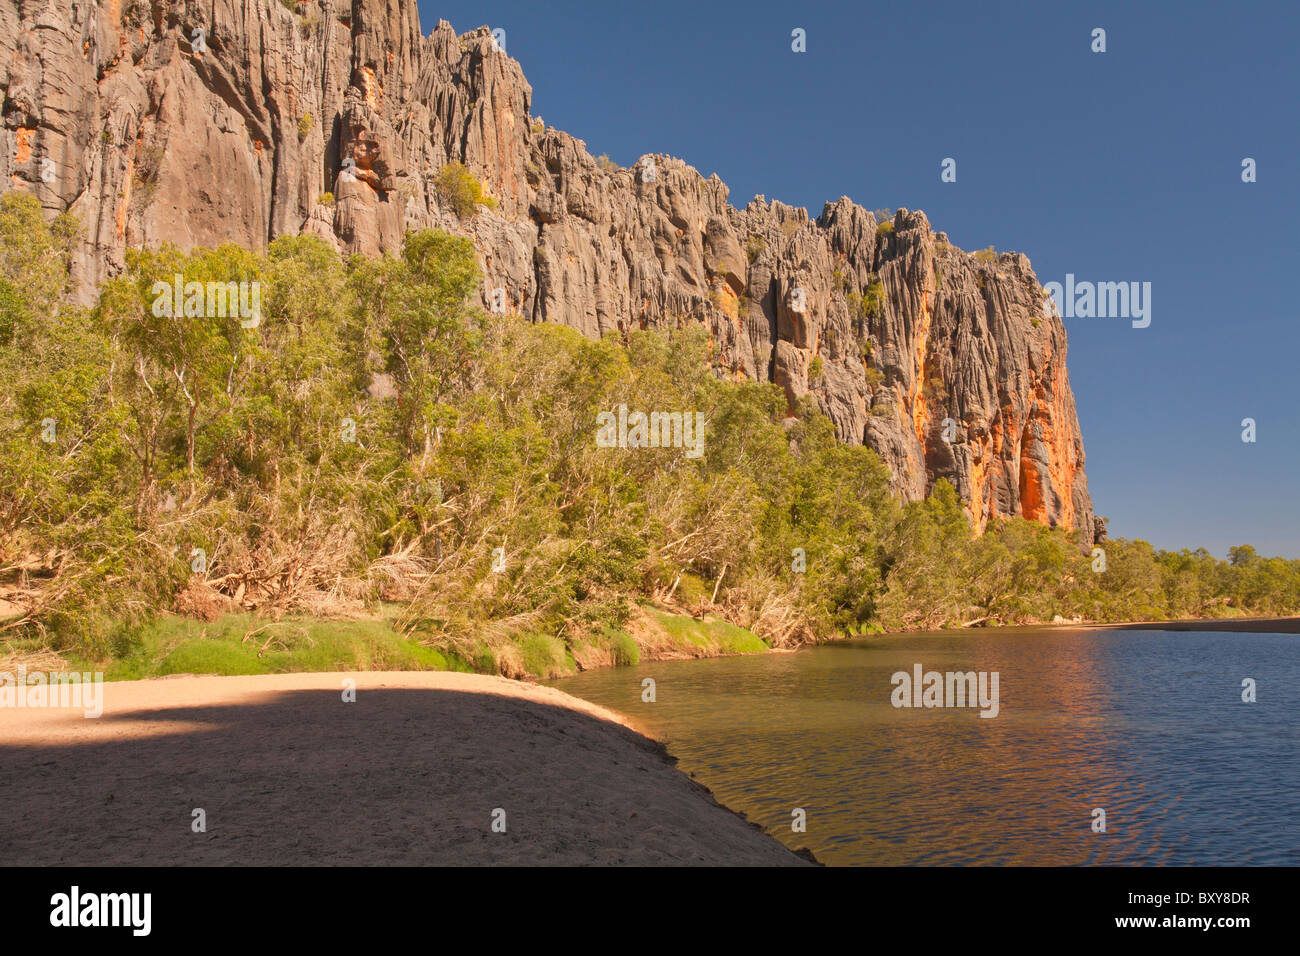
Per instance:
{"type": "Point", "coordinates": [376, 442]}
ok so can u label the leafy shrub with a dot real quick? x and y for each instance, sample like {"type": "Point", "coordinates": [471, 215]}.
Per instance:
{"type": "Point", "coordinates": [936, 391]}
{"type": "Point", "coordinates": [873, 300]}
{"type": "Point", "coordinates": [183, 432]}
{"type": "Point", "coordinates": [457, 188]}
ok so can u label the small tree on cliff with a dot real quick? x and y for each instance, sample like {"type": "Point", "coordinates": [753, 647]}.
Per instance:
{"type": "Point", "coordinates": [457, 188]}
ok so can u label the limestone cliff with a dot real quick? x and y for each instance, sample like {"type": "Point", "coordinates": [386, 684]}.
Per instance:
{"type": "Point", "coordinates": [241, 120]}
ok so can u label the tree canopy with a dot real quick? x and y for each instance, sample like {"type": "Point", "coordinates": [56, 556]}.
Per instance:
{"type": "Point", "coordinates": [376, 438]}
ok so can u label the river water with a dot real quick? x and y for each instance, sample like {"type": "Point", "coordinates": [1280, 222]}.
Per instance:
{"type": "Point", "coordinates": [1149, 726]}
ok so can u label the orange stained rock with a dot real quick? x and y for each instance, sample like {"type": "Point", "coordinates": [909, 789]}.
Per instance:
{"type": "Point", "coordinates": [920, 413]}
{"type": "Point", "coordinates": [374, 90]}
{"type": "Point", "coordinates": [979, 474]}
{"type": "Point", "coordinates": [1052, 426]}
{"type": "Point", "coordinates": [126, 193]}
{"type": "Point", "coordinates": [23, 149]}
{"type": "Point", "coordinates": [505, 127]}
{"type": "Point", "coordinates": [1062, 440]}
{"type": "Point", "coordinates": [1032, 506]}
{"type": "Point", "coordinates": [997, 431]}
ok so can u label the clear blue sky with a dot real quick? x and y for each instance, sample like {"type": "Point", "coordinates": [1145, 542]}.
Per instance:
{"type": "Point", "coordinates": [1122, 166]}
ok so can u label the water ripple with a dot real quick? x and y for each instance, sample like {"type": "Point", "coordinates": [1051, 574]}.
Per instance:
{"type": "Point", "coordinates": [1148, 726]}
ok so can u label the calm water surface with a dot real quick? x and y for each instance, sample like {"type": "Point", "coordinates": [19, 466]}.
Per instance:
{"type": "Point", "coordinates": [1148, 725]}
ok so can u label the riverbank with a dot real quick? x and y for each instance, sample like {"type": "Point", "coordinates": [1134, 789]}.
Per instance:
{"type": "Point", "coordinates": [1245, 625]}
{"type": "Point", "coordinates": [413, 772]}
{"type": "Point", "coordinates": [244, 644]}
{"type": "Point", "coordinates": [1251, 625]}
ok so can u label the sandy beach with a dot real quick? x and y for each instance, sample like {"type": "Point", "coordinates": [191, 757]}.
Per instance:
{"type": "Point", "coordinates": [287, 773]}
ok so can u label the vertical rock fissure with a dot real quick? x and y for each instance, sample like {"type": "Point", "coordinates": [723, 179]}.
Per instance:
{"type": "Point", "coordinates": [657, 244]}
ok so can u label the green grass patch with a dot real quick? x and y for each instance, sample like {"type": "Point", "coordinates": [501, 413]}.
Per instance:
{"type": "Point", "coordinates": [609, 646]}
{"type": "Point", "coordinates": [717, 636]}
{"type": "Point", "coordinates": [242, 644]}
{"type": "Point", "coordinates": [626, 653]}
{"type": "Point", "coordinates": [545, 656]}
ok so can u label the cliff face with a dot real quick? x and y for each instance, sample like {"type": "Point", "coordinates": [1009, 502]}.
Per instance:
{"type": "Point", "coordinates": [944, 362]}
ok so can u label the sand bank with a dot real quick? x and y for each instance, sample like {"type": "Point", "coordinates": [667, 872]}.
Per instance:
{"type": "Point", "coordinates": [410, 773]}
